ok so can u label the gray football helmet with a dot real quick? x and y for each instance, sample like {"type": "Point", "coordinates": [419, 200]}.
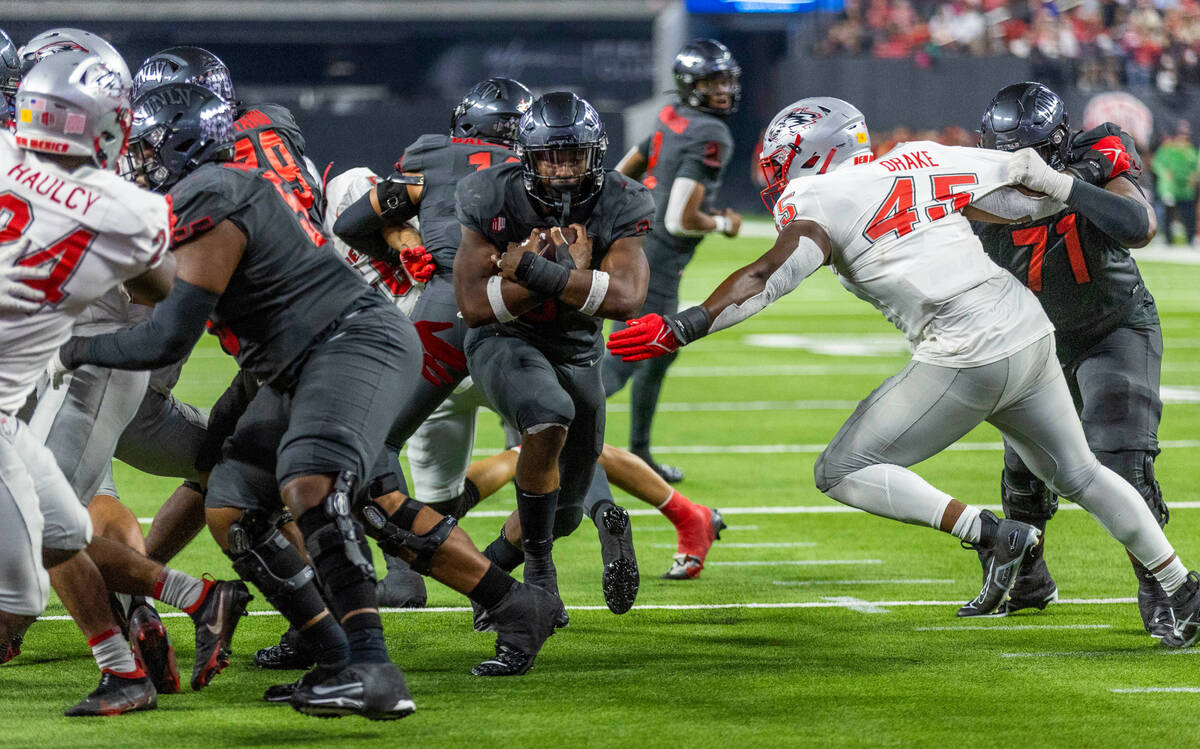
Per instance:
{"type": "Point", "coordinates": [10, 74]}
{"type": "Point", "coordinates": [66, 39]}
{"type": "Point", "coordinates": [811, 136]}
{"type": "Point", "coordinates": [73, 104]}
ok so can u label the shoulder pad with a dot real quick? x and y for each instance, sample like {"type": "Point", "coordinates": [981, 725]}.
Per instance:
{"type": "Point", "coordinates": [480, 195]}
{"type": "Point", "coordinates": [209, 195]}
{"type": "Point", "coordinates": [281, 120]}
{"type": "Point", "coordinates": [410, 160]}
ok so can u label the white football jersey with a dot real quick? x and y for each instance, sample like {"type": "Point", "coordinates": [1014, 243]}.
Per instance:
{"type": "Point", "coordinates": [95, 231]}
{"type": "Point", "coordinates": [900, 242]}
{"type": "Point", "coordinates": [393, 283]}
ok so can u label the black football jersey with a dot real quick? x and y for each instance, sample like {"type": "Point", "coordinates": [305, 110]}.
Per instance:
{"type": "Point", "coordinates": [444, 161]}
{"type": "Point", "coordinates": [1087, 282]}
{"type": "Point", "coordinates": [287, 288]}
{"type": "Point", "coordinates": [269, 138]}
{"type": "Point", "coordinates": [494, 203]}
{"type": "Point", "coordinates": [685, 143]}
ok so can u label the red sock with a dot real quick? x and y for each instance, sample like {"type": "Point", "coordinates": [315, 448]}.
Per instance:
{"type": "Point", "coordinates": [678, 509]}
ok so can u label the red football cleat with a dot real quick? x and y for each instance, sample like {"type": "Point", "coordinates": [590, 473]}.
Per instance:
{"type": "Point", "coordinates": [697, 531]}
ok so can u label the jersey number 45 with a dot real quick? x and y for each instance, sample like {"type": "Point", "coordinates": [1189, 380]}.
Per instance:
{"type": "Point", "coordinates": [897, 214]}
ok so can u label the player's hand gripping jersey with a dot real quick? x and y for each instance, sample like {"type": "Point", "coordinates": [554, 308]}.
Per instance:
{"type": "Point", "coordinates": [901, 243]}
{"type": "Point", "coordinates": [93, 229]}
{"type": "Point", "coordinates": [1087, 282]}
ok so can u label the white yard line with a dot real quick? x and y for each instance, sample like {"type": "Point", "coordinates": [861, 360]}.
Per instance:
{"type": "Point", "coordinates": [716, 606]}
{"type": "Point", "coordinates": [830, 509]}
{"type": "Point", "coordinates": [793, 562]}
{"type": "Point", "coordinates": [1100, 653]}
{"type": "Point", "coordinates": [1155, 690]}
{"type": "Point", "coordinates": [910, 581]}
{"type": "Point", "coordinates": [981, 627]}
{"type": "Point", "coordinates": [763, 545]}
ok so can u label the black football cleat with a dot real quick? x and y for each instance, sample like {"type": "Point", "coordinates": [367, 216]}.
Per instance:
{"type": "Point", "coordinates": [1034, 588]}
{"type": "Point", "coordinates": [223, 605]}
{"type": "Point", "coordinates": [117, 695]}
{"type": "Point", "coordinates": [12, 648]}
{"type": "Point", "coordinates": [152, 649]}
{"type": "Point", "coordinates": [375, 691]}
{"type": "Point", "coordinates": [401, 587]}
{"type": "Point", "coordinates": [670, 474]}
{"type": "Point", "coordinates": [1185, 604]}
{"type": "Point", "coordinates": [1001, 560]}
{"type": "Point", "coordinates": [284, 692]}
{"type": "Point", "coordinates": [289, 655]}
{"type": "Point", "coordinates": [540, 572]}
{"type": "Point", "coordinates": [524, 618]}
{"type": "Point", "coordinates": [1153, 604]}
{"type": "Point", "coordinates": [620, 580]}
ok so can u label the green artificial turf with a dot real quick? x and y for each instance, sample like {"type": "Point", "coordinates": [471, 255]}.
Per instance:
{"type": "Point", "coordinates": [860, 647]}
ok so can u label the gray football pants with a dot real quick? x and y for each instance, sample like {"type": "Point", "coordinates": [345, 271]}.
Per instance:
{"type": "Point", "coordinates": [924, 409]}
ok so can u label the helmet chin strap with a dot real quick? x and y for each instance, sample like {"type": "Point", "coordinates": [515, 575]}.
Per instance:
{"type": "Point", "coordinates": [564, 219]}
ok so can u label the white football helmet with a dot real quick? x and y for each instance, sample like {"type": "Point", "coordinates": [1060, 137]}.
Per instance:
{"type": "Point", "coordinates": [811, 136]}
{"type": "Point", "coordinates": [73, 104]}
{"type": "Point", "coordinates": [66, 39]}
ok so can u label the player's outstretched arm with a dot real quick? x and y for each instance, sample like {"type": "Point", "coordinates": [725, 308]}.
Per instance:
{"type": "Point", "coordinates": [484, 297]}
{"type": "Point", "coordinates": [801, 248]}
{"type": "Point", "coordinates": [204, 266]}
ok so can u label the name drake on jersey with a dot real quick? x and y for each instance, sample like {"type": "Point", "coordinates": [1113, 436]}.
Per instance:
{"type": "Point", "coordinates": [76, 198]}
{"type": "Point", "coordinates": [914, 160]}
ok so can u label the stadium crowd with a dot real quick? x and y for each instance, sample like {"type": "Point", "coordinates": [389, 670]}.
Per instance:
{"type": "Point", "coordinates": [1096, 43]}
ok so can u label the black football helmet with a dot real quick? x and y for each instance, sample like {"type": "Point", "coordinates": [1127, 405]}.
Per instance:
{"type": "Point", "coordinates": [184, 65]}
{"type": "Point", "coordinates": [707, 59]}
{"type": "Point", "coordinates": [561, 143]}
{"type": "Point", "coordinates": [490, 110]}
{"type": "Point", "coordinates": [10, 75]}
{"type": "Point", "coordinates": [1027, 115]}
{"type": "Point", "coordinates": [176, 128]}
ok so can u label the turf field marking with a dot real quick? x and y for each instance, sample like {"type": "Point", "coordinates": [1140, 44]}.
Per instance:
{"type": "Point", "coordinates": [857, 604]}
{"type": "Point", "coordinates": [687, 407]}
{"type": "Point", "coordinates": [762, 545]}
{"type": "Point", "coordinates": [818, 447]}
{"type": "Point", "coordinates": [795, 562]}
{"type": "Point", "coordinates": [913, 581]}
{"type": "Point", "coordinates": [1155, 690]}
{"type": "Point", "coordinates": [981, 627]}
{"type": "Point", "coordinates": [1098, 653]}
{"type": "Point", "coordinates": [704, 607]}
{"type": "Point", "coordinates": [670, 528]}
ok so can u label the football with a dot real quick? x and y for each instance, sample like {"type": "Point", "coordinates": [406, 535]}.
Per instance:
{"type": "Point", "coordinates": [545, 245]}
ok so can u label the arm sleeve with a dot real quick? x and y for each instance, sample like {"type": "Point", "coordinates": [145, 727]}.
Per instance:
{"type": "Point", "coordinates": [168, 336]}
{"type": "Point", "coordinates": [360, 227]}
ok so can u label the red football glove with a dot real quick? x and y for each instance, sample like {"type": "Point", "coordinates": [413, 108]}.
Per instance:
{"type": "Point", "coordinates": [644, 338]}
{"type": "Point", "coordinates": [1102, 154]}
{"type": "Point", "coordinates": [418, 263]}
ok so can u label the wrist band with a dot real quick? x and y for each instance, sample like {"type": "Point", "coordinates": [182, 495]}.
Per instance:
{"type": "Point", "coordinates": [723, 224]}
{"type": "Point", "coordinates": [540, 275]}
{"type": "Point", "coordinates": [596, 293]}
{"type": "Point", "coordinates": [496, 299]}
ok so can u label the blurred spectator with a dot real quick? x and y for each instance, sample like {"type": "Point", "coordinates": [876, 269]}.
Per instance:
{"type": "Point", "coordinates": [1175, 172]}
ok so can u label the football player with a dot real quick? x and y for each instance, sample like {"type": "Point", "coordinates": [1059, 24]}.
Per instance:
{"type": "Point", "coordinates": [78, 231]}
{"type": "Point", "coordinates": [1106, 326]}
{"type": "Point", "coordinates": [681, 163]}
{"type": "Point", "coordinates": [331, 355]}
{"type": "Point", "coordinates": [895, 231]}
{"type": "Point", "coordinates": [550, 246]}
{"type": "Point", "coordinates": [10, 77]}
{"type": "Point", "coordinates": [80, 424]}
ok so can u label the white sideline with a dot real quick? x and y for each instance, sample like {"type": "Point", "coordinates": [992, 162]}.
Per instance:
{"type": "Point", "coordinates": [1099, 653]}
{"type": "Point", "coordinates": [693, 607]}
{"type": "Point", "coordinates": [830, 509]}
{"type": "Point", "coordinates": [1155, 690]}
{"type": "Point", "coordinates": [910, 581]}
{"type": "Point", "coordinates": [794, 562]}
{"type": "Point", "coordinates": [981, 627]}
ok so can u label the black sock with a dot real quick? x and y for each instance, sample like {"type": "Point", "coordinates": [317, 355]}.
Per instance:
{"type": "Point", "coordinates": [365, 633]}
{"type": "Point", "coordinates": [325, 641]}
{"type": "Point", "coordinates": [536, 512]}
{"type": "Point", "coordinates": [494, 584]}
{"type": "Point", "coordinates": [504, 554]}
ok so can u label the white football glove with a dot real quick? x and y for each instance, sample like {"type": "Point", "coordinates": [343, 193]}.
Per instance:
{"type": "Point", "coordinates": [1029, 170]}
{"type": "Point", "coordinates": [16, 296]}
{"type": "Point", "coordinates": [57, 371]}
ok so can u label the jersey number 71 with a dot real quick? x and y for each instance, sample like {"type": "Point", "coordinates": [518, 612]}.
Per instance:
{"type": "Point", "coordinates": [897, 214]}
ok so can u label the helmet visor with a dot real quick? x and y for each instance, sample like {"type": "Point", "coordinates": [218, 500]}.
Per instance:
{"type": "Point", "coordinates": [562, 170]}
{"type": "Point", "coordinates": [719, 90]}
{"type": "Point", "coordinates": [141, 164]}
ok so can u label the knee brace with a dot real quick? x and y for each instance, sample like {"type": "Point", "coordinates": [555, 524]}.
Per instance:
{"type": "Point", "coordinates": [566, 520]}
{"type": "Point", "coordinates": [383, 485]}
{"type": "Point", "coordinates": [1137, 467]}
{"type": "Point", "coordinates": [262, 555]}
{"type": "Point", "coordinates": [1026, 498]}
{"type": "Point", "coordinates": [339, 547]}
{"type": "Point", "coordinates": [460, 505]}
{"type": "Point", "coordinates": [395, 533]}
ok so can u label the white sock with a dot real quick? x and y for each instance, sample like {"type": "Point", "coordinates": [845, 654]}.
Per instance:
{"type": "Point", "coordinates": [1121, 510]}
{"type": "Point", "coordinates": [969, 525]}
{"type": "Point", "coordinates": [1173, 576]}
{"type": "Point", "coordinates": [111, 651]}
{"type": "Point", "coordinates": [176, 589]}
{"type": "Point", "coordinates": [894, 492]}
